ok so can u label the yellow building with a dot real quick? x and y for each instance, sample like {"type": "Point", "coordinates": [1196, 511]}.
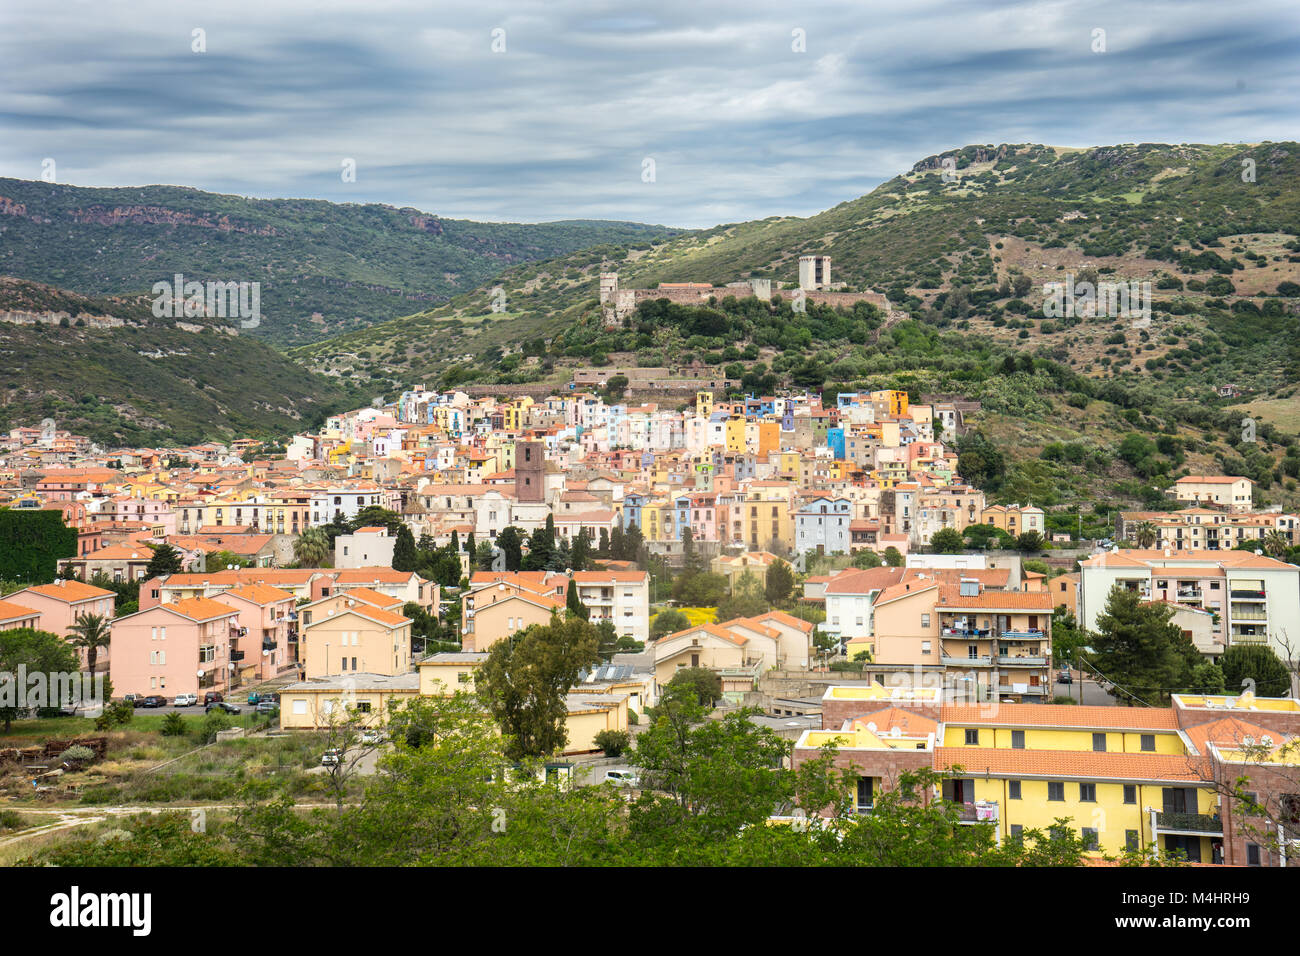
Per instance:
{"type": "Point", "coordinates": [1124, 777]}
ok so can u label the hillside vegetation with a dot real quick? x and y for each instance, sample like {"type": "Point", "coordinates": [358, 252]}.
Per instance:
{"type": "Point", "coordinates": [149, 382]}
{"type": "Point", "coordinates": [324, 268]}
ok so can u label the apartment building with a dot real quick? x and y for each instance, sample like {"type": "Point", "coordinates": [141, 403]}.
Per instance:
{"type": "Point", "coordinates": [1232, 492]}
{"type": "Point", "coordinates": [621, 598]}
{"type": "Point", "coordinates": [344, 634]}
{"type": "Point", "coordinates": [1255, 599]}
{"type": "Point", "coordinates": [1124, 777]}
{"type": "Point", "coordinates": [187, 647]}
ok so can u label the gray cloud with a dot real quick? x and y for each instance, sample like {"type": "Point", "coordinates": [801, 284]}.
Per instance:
{"type": "Point", "coordinates": [738, 124]}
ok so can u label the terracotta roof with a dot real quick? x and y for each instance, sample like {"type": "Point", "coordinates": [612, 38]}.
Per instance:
{"type": "Point", "coordinates": [368, 611]}
{"type": "Point", "coordinates": [1060, 715]}
{"type": "Point", "coordinates": [260, 593]}
{"type": "Point", "coordinates": [70, 591]}
{"type": "Point", "coordinates": [374, 598]}
{"type": "Point", "coordinates": [1080, 764]}
{"type": "Point", "coordinates": [200, 609]}
{"type": "Point", "coordinates": [787, 619]}
{"type": "Point", "coordinates": [864, 581]}
{"type": "Point", "coordinates": [1229, 732]}
{"type": "Point", "coordinates": [950, 596]}
{"type": "Point", "coordinates": [16, 612]}
{"type": "Point", "coordinates": [909, 723]}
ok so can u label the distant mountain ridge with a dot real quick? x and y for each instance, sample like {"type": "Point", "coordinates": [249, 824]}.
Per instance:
{"type": "Point", "coordinates": [324, 268]}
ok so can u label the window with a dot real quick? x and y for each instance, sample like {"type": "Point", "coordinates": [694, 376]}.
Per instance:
{"type": "Point", "coordinates": [925, 620]}
{"type": "Point", "coordinates": [1017, 740]}
{"type": "Point", "coordinates": [1055, 790]}
{"type": "Point", "coordinates": [1087, 793]}
{"type": "Point", "coordinates": [1148, 743]}
{"type": "Point", "coordinates": [1099, 743]}
{"type": "Point", "coordinates": [1130, 839]}
{"type": "Point", "coordinates": [300, 707]}
{"type": "Point", "coordinates": [1130, 793]}
{"type": "Point", "coordinates": [972, 738]}
{"type": "Point", "coordinates": [1252, 854]}
{"type": "Point", "coordinates": [925, 647]}
{"type": "Point", "coordinates": [363, 707]}
{"type": "Point", "coordinates": [1013, 790]}
{"type": "Point", "coordinates": [1017, 831]}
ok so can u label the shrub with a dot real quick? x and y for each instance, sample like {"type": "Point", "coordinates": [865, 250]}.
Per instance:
{"type": "Point", "coordinates": [173, 725]}
{"type": "Point", "coordinates": [613, 742]}
{"type": "Point", "coordinates": [632, 718]}
{"type": "Point", "coordinates": [77, 754]}
{"type": "Point", "coordinates": [212, 724]}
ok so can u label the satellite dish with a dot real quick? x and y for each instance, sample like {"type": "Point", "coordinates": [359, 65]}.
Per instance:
{"type": "Point", "coordinates": [199, 674]}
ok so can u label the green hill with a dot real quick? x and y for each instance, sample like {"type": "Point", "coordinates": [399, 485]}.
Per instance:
{"type": "Point", "coordinates": [324, 268]}
{"type": "Point", "coordinates": [148, 381]}
{"type": "Point", "coordinates": [962, 245]}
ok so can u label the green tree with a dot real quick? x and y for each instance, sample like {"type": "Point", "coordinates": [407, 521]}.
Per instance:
{"type": "Point", "coordinates": [947, 541]}
{"type": "Point", "coordinates": [668, 622]}
{"type": "Point", "coordinates": [747, 598]}
{"type": "Point", "coordinates": [405, 555]}
{"type": "Point", "coordinates": [92, 631]}
{"type": "Point", "coordinates": [573, 603]}
{"type": "Point", "coordinates": [526, 677]}
{"type": "Point", "coordinates": [165, 560]}
{"type": "Point", "coordinates": [1247, 666]}
{"type": "Point", "coordinates": [580, 555]}
{"type": "Point", "coordinates": [893, 557]}
{"type": "Point", "coordinates": [866, 558]}
{"type": "Point", "coordinates": [1029, 541]}
{"type": "Point", "coordinates": [1144, 657]}
{"type": "Point", "coordinates": [511, 541]}
{"type": "Point", "coordinates": [705, 684]}
{"type": "Point", "coordinates": [312, 548]}
{"type": "Point", "coordinates": [705, 779]}
{"type": "Point", "coordinates": [779, 583]}
{"type": "Point", "coordinates": [39, 652]}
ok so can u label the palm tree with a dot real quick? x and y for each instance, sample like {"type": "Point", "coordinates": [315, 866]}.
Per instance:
{"type": "Point", "coordinates": [312, 548]}
{"type": "Point", "coordinates": [1275, 543]}
{"type": "Point", "coordinates": [93, 632]}
{"type": "Point", "coordinates": [1147, 534]}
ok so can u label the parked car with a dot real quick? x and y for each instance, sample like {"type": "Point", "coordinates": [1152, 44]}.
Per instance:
{"type": "Point", "coordinates": [623, 778]}
{"type": "Point", "coordinates": [331, 758]}
{"type": "Point", "coordinates": [212, 697]}
{"type": "Point", "coordinates": [274, 698]}
{"type": "Point", "coordinates": [268, 707]}
{"type": "Point", "coordinates": [185, 700]}
{"type": "Point", "coordinates": [82, 708]}
{"type": "Point", "coordinates": [373, 736]}
{"type": "Point", "coordinates": [221, 705]}
{"type": "Point", "coordinates": [254, 698]}
{"type": "Point", "coordinates": [153, 700]}
{"type": "Point", "coordinates": [133, 699]}
{"type": "Point", "coordinates": [1065, 677]}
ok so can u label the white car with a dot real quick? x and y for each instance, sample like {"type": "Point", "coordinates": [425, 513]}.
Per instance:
{"type": "Point", "coordinates": [623, 778]}
{"type": "Point", "coordinates": [185, 700]}
{"type": "Point", "coordinates": [373, 737]}
{"type": "Point", "coordinates": [331, 758]}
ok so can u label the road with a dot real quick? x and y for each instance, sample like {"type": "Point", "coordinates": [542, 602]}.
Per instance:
{"type": "Point", "coordinates": [1094, 695]}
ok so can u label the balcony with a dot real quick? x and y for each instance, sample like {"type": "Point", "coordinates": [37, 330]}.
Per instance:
{"type": "Point", "coordinates": [1005, 660]}
{"type": "Point", "coordinates": [1248, 595]}
{"type": "Point", "coordinates": [986, 661]}
{"type": "Point", "coordinates": [1032, 635]}
{"type": "Point", "coordinates": [965, 632]}
{"type": "Point", "coordinates": [236, 656]}
{"type": "Point", "coordinates": [982, 811]}
{"type": "Point", "coordinates": [1205, 824]}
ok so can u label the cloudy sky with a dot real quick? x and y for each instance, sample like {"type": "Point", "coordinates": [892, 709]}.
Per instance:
{"type": "Point", "coordinates": [740, 110]}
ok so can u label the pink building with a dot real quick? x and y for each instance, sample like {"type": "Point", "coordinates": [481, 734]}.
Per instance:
{"type": "Point", "coordinates": [189, 647]}
{"type": "Point", "coordinates": [14, 616]}
{"type": "Point", "coordinates": [268, 629]}
{"type": "Point", "coordinates": [61, 603]}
